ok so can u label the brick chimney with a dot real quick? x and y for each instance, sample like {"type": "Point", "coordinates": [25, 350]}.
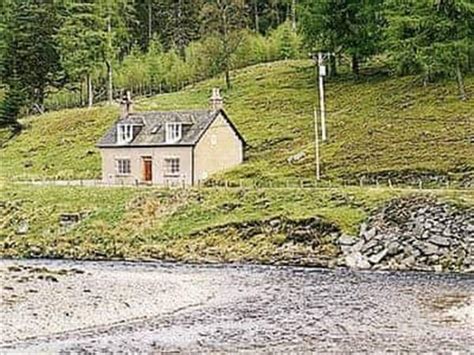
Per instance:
{"type": "Point", "coordinates": [216, 101]}
{"type": "Point", "coordinates": [126, 104]}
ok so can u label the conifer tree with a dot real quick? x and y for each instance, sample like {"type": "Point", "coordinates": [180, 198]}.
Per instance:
{"type": "Point", "coordinates": [12, 104]}
{"type": "Point", "coordinates": [347, 27]}
{"type": "Point", "coordinates": [432, 37]}
{"type": "Point", "coordinates": [82, 39]}
{"type": "Point", "coordinates": [30, 53]}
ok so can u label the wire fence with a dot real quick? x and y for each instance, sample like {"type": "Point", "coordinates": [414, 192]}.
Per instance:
{"type": "Point", "coordinates": [254, 184]}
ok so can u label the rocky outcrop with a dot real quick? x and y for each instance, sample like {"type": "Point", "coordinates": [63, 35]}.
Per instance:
{"type": "Point", "coordinates": [413, 233]}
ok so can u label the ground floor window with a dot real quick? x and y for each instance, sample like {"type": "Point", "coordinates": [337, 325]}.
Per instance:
{"type": "Point", "coordinates": [123, 166]}
{"type": "Point", "coordinates": [172, 166]}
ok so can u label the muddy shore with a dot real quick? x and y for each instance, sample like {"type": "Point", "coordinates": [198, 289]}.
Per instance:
{"type": "Point", "coordinates": [110, 306]}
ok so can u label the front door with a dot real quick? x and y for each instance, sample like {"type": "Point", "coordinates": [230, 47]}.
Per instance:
{"type": "Point", "coordinates": [147, 169]}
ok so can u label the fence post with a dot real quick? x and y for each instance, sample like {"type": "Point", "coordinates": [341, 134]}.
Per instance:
{"type": "Point", "coordinates": [390, 183]}
{"type": "Point", "coordinates": [420, 184]}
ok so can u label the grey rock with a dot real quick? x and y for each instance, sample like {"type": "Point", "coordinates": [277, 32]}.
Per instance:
{"type": "Point", "coordinates": [369, 234]}
{"type": "Point", "coordinates": [347, 240]}
{"type": "Point", "coordinates": [409, 261]}
{"type": "Point", "coordinates": [357, 247]}
{"type": "Point", "coordinates": [357, 261]}
{"type": "Point", "coordinates": [428, 249]}
{"type": "Point", "coordinates": [297, 157]}
{"type": "Point", "coordinates": [274, 223]}
{"type": "Point", "coordinates": [22, 227]}
{"type": "Point", "coordinates": [369, 245]}
{"type": "Point", "coordinates": [425, 235]}
{"type": "Point", "coordinates": [377, 258]}
{"type": "Point", "coordinates": [346, 249]}
{"type": "Point", "coordinates": [441, 241]}
{"type": "Point", "coordinates": [394, 248]}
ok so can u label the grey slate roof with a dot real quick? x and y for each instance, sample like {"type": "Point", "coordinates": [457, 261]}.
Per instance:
{"type": "Point", "coordinates": [153, 123]}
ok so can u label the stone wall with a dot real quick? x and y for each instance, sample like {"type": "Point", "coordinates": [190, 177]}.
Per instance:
{"type": "Point", "coordinates": [413, 233]}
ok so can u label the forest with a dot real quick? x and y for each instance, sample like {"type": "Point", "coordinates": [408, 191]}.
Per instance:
{"type": "Point", "coordinates": [70, 53]}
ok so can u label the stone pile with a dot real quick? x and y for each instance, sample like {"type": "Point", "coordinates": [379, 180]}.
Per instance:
{"type": "Point", "coordinates": [413, 233]}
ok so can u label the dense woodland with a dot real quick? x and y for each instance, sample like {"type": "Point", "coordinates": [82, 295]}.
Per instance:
{"type": "Point", "coordinates": [64, 53]}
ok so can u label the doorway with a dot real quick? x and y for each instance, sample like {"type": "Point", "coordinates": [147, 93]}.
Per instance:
{"type": "Point", "coordinates": [147, 163]}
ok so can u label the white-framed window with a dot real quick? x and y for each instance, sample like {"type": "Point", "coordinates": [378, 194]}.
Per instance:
{"type": "Point", "coordinates": [123, 166]}
{"type": "Point", "coordinates": [172, 167]}
{"type": "Point", "coordinates": [173, 132]}
{"type": "Point", "coordinates": [125, 133]}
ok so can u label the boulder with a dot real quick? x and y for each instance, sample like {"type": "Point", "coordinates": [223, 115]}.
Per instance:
{"type": "Point", "coordinates": [377, 258]}
{"type": "Point", "coordinates": [357, 261]}
{"type": "Point", "coordinates": [345, 239]}
{"type": "Point", "coordinates": [440, 241]}
{"type": "Point", "coordinates": [394, 248]}
{"type": "Point", "coordinates": [23, 227]}
{"type": "Point", "coordinates": [427, 248]}
{"type": "Point", "coordinates": [370, 233]}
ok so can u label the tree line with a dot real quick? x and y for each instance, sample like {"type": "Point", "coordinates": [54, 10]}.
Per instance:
{"type": "Point", "coordinates": [90, 49]}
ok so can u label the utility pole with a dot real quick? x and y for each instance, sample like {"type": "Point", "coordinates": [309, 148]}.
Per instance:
{"type": "Point", "coordinates": [316, 143]}
{"type": "Point", "coordinates": [293, 15]}
{"type": "Point", "coordinates": [321, 74]}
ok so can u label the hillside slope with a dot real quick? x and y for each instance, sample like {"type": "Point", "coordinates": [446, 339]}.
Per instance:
{"type": "Point", "coordinates": [379, 127]}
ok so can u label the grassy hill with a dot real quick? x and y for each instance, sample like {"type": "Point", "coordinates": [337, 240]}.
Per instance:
{"type": "Point", "coordinates": [379, 127]}
{"type": "Point", "coordinates": [186, 225]}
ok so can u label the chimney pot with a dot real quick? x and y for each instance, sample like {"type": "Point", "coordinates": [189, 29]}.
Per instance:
{"type": "Point", "coordinates": [126, 104]}
{"type": "Point", "coordinates": [216, 101]}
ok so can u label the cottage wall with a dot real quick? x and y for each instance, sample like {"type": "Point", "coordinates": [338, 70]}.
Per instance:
{"type": "Point", "coordinates": [218, 149]}
{"type": "Point", "coordinates": [136, 155]}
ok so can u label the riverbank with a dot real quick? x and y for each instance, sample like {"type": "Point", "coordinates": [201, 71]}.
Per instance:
{"type": "Point", "coordinates": [53, 306]}
{"type": "Point", "coordinates": [312, 227]}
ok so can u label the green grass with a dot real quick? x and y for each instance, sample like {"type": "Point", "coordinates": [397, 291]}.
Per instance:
{"type": "Point", "coordinates": [175, 224]}
{"type": "Point", "coordinates": [379, 127]}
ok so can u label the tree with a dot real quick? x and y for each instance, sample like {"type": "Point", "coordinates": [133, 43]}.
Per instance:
{"type": "Point", "coordinates": [81, 40]}
{"type": "Point", "coordinates": [117, 13]}
{"type": "Point", "coordinates": [225, 19]}
{"type": "Point", "coordinates": [343, 27]}
{"type": "Point", "coordinates": [183, 23]}
{"type": "Point", "coordinates": [12, 104]}
{"type": "Point", "coordinates": [5, 9]}
{"type": "Point", "coordinates": [432, 37]}
{"type": "Point", "coordinates": [174, 22]}
{"type": "Point", "coordinates": [29, 52]}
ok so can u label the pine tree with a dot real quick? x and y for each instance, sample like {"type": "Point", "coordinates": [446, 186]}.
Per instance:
{"type": "Point", "coordinates": [82, 40]}
{"type": "Point", "coordinates": [350, 27]}
{"type": "Point", "coordinates": [30, 48]}
{"type": "Point", "coordinates": [12, 105]}
{"type": "Point", "coordinates": [432, 37]}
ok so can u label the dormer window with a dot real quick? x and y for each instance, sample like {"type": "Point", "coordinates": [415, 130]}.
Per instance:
{"type": "Point", "coordinates": [125, 133]}
{"type": "Point", "coordinates": [173, 132]}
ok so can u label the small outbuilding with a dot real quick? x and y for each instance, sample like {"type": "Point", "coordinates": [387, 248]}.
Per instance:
{"type": "Point", "coordinates": [170, 147]}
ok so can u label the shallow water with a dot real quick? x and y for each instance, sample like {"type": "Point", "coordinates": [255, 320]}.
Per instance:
{"type": "Point", "coordinates": [114, 306]}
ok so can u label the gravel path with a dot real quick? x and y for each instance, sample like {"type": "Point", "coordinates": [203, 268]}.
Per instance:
{"type": "Point", "coordinates": [97, 307]}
